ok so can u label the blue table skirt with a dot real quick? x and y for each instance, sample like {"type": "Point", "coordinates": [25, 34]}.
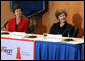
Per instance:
{"type": "Point", "coordinates": [58, 51]}
{"type": "Point", "coordinates": [82, 52]}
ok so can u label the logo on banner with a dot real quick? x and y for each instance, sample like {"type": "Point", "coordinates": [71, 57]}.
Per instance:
{"type": "Point", "coordinates": [1, 49]}
{"type": "Point", "coordinates": [18, 56]}
{"type": "Point", "coordinates": [6, 50]}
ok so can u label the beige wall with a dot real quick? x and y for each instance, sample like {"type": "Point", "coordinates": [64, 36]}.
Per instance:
{"type": "Point", "coordinates": [6, 13]}
{"type": "Point", "coordinates": [75, 10]}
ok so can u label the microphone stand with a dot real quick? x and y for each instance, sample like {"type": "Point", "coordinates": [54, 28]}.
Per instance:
{"type": "Point", "coordinates": [32, 36]}
{"type": "Point", "coordinates": [68, 38]}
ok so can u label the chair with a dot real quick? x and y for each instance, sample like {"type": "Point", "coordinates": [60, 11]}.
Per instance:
{"type": "Point", "coordinates": [75, 31]}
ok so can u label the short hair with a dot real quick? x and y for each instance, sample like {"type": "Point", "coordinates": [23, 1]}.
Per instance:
{"type": "Point", "coordinates": [17, 6]}
{"type": "Point", "coordinates": [59, 12]}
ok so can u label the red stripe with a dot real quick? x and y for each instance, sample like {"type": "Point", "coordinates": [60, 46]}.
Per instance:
{"type": "Point", "coordinates": [34, 51]}
{"type": "Point", "coordinates": [17, 39]}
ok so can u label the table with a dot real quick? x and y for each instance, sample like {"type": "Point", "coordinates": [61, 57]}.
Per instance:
{"type": "Point", "coordinates": [51, 50]}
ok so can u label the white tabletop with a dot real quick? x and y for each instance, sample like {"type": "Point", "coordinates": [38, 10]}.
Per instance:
{"type": "Point", "coordinates": [42, 38]}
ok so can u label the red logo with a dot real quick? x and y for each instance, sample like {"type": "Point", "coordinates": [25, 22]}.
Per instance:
{"type": "Point", "coordinates": [18, 56]}
{"type": "Point", "coordinates": [1, 49]}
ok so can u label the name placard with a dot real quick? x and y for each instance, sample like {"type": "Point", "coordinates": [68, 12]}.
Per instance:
{"type": "Point", "coordinates": [55, 38]}
{"type": "Point", "coordinates": [18, 35]}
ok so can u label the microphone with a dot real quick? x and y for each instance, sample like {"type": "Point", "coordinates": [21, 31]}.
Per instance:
{"type": "Point", "coordinates": [68, 38]}
{"type": "Point", "coordinates": [75, 32]}
{"type": "Point", "coordinates": [2, 33]}
{"type": "Point", "coordinates": [66, 31]}
{"type": "Point", "coordinates": [5, 25]}
{"type": "Point", "coordinates": [32, 36]}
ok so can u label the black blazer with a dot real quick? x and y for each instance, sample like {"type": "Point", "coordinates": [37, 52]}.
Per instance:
{"type": "Point", "coordinates": [65, 30]}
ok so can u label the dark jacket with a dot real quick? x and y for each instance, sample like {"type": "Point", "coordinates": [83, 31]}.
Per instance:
{"type": "Point", "coordinates": [65, 30]}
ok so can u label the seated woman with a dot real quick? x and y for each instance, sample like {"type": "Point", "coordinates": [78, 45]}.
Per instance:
{"type": "Point", "coordinates": [62, 27]}
{"type": "Point", "coordinates": [18, 24]}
